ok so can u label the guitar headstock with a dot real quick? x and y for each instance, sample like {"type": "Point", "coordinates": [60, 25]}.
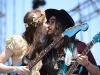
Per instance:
{"type": "Point", "coordinates": [96, 38]}
{"type": "Point", "coordinates": [75, 29]}
{"type": "Point", "coordinates": [84, 26]}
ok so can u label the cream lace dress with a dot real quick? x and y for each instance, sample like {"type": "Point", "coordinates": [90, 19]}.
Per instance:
{"type": "Point", "coordinates": [18, 46]}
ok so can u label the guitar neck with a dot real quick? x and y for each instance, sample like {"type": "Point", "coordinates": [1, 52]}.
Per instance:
{"type": "Point", "coordinates": [75, 64]}
{"type": "Point", "coordinates": [87, 49]}
{"type": "Point", "coordinates": [44, 52]}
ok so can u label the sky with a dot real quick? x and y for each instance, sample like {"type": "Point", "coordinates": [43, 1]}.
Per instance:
{"type": "Point", "coordinates": [15, 10]}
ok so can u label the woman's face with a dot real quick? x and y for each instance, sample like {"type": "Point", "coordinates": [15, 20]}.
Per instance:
{"type": "Point", "coordinates": [45, 27]}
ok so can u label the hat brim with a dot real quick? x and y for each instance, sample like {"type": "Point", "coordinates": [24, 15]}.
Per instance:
{"type": "Point", "coordinates": [62, 14]}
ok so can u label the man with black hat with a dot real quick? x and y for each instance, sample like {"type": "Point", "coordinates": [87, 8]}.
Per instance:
{"type": "Point", "coordinates": [67, 50]}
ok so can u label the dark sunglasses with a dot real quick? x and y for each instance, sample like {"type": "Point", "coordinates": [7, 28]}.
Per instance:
{"type": "Point", "coordinates": [51, 21]}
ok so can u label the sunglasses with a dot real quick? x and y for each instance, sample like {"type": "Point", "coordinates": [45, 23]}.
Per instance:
{"type": "Point", "coordinates": [51, 21]}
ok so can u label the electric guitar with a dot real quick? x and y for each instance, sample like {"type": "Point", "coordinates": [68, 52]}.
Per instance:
{"type": "Point", "coordinates": [68, 32]}
{"type": "Point", "coordinates": [63, 69]}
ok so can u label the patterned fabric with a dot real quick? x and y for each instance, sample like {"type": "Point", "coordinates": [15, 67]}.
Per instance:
{"type": "Point", "coordinates": [18, 46]}
{"type": "Point", "coordinates": [36, 68]}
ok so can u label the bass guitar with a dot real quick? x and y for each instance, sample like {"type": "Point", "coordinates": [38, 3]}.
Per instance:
{"type": "Point", "coordinates": [63, 69]}
{"type": "Point", "coordinates": [68, 32]}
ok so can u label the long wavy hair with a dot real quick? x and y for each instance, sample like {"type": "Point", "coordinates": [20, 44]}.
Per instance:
{"type": "Point", "coordinates": [66, 41]}
{"type": "Point", "coordinates": [33, 32]}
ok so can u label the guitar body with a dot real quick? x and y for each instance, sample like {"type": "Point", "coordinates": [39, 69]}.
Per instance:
{"type": "Point", "coordinates": [13, 73]}
{"type": "Point", "coordinates": [62, 70]}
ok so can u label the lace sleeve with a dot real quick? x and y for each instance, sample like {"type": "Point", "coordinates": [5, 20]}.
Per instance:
{"type": "Point", "coordinates": [16, 44]}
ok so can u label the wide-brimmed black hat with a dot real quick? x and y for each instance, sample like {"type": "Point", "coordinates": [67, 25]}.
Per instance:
{"type": "Point", "coordinates": [62, 14]}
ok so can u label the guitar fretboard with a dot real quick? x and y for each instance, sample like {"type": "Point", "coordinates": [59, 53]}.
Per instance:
{"type": "Point", "coordinates": [75, 64]}
{"type": "Point", "coordinates": [44, 52]}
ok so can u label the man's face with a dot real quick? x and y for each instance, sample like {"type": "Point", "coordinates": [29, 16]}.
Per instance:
{"type": "Point", "coordinates": [51, 27]}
